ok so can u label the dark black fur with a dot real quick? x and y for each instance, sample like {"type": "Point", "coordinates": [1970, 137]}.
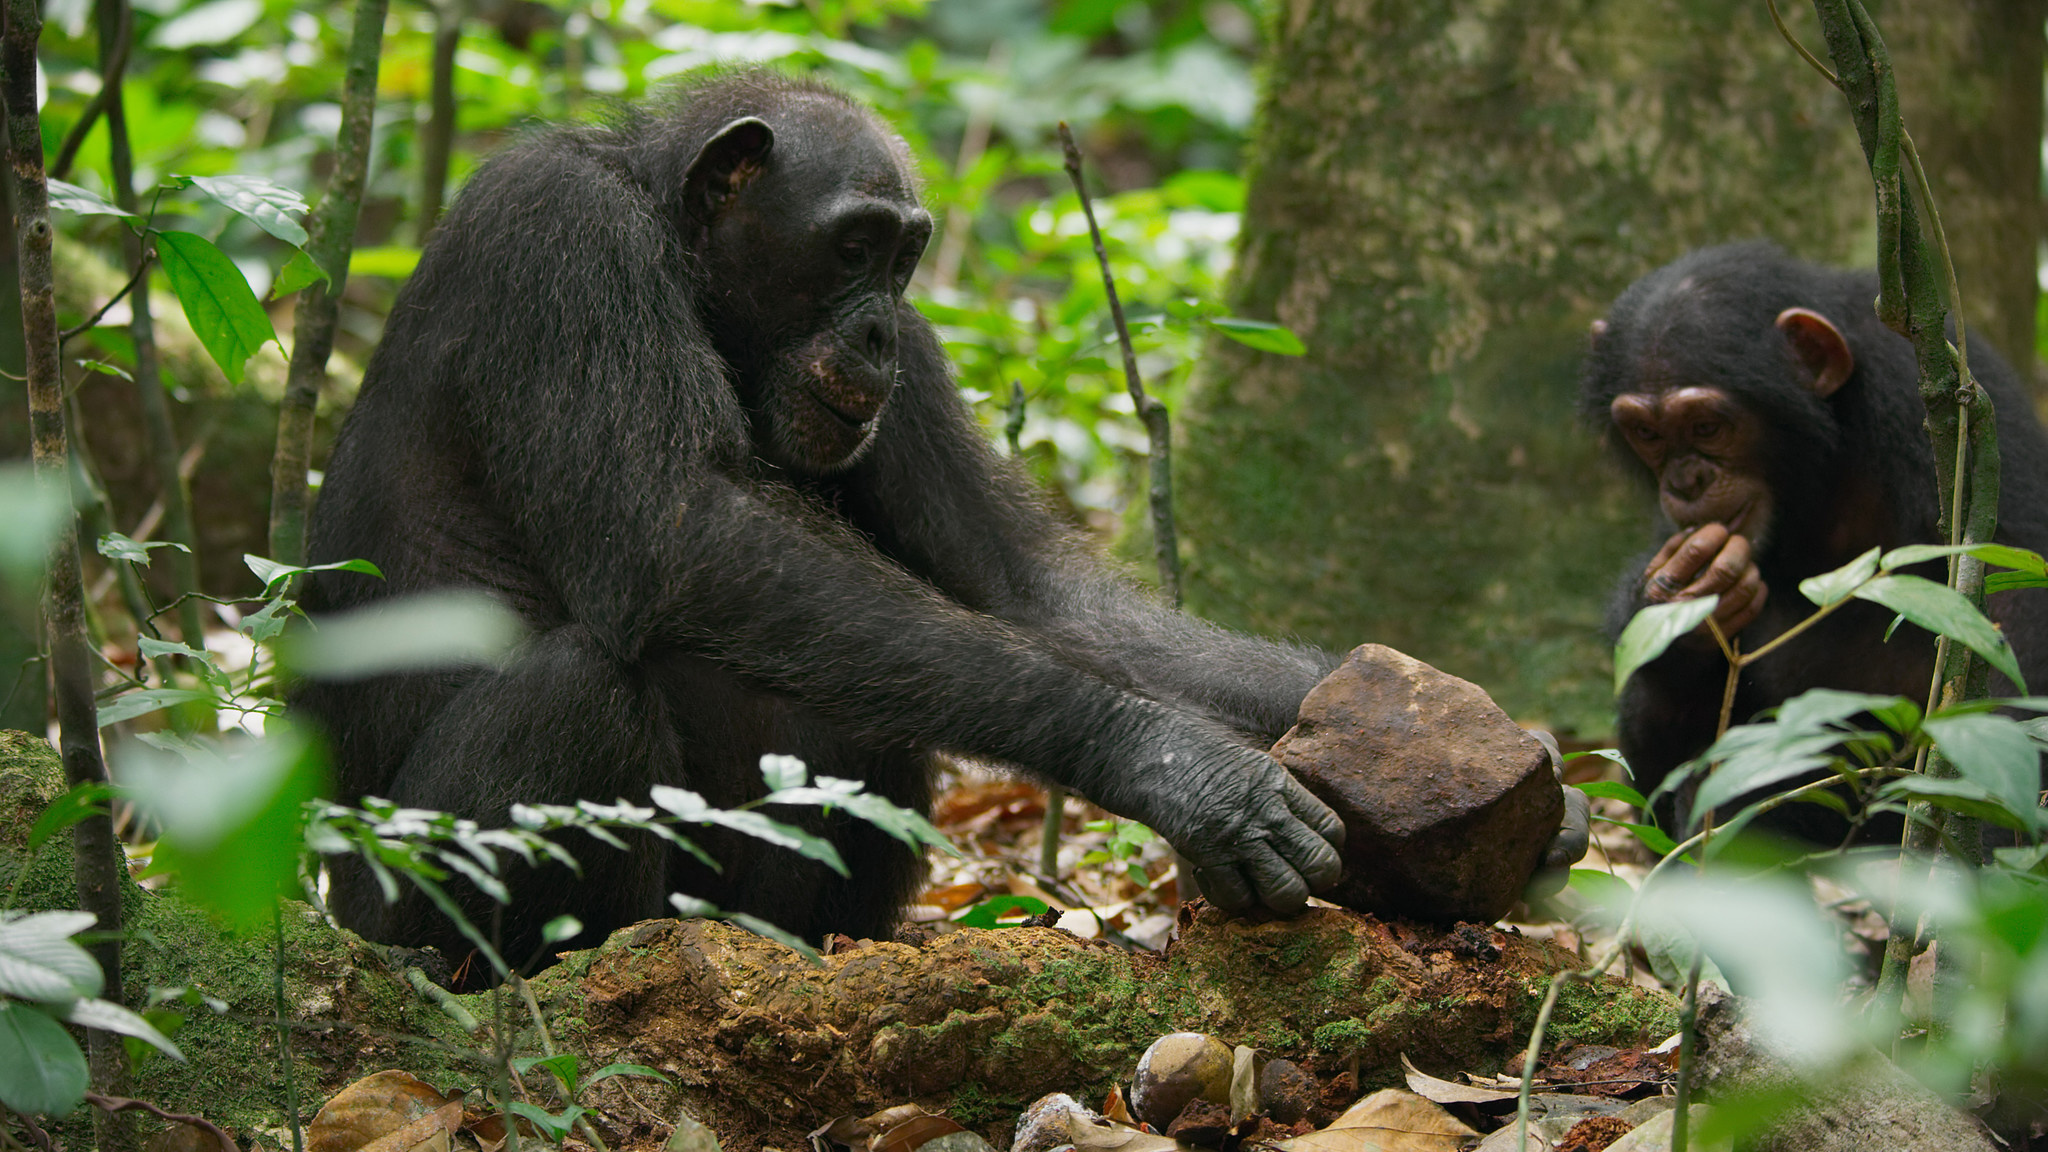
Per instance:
{"type": "Point", "coordinates": [1849, 472]}
{"type": "Point", "coordinates": [548, 420]}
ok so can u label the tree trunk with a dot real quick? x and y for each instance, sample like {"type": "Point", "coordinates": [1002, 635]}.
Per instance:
{"type": "Point", "coordinates": [1443, 193]}
{"type": "Point", "coordinates": [1969, 76]}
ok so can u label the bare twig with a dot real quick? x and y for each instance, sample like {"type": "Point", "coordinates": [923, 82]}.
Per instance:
{"type": "Point", "coordinates": [332, 232]}
{"type": "Point", "coordinates": [96, 866]}
{"type": "Point", "coordinates": [124, 1104]}
{"type": "Point", "coordinates": [92, 321]}
{"type": "Point", "coordinates": [1150, 408]}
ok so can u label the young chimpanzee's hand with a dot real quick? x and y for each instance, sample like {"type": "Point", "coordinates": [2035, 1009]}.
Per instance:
{"type": "Point", "coordinates": [1706, 561]}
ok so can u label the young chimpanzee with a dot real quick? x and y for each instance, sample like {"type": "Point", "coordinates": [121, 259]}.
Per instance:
{"type": "Point", "coordinates": [655, 386]}
{"type": "Point", "coordinates": [1781, 424]}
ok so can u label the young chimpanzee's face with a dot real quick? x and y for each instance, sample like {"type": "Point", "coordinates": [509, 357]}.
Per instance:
{"type": "Point", "coordinates": [813, 232]}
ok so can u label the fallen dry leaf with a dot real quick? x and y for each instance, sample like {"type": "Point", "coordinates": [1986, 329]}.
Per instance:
{"type": "Point", "coordinates": [1449, 1091]}
{"type": "Point", "coordinates": [377, 1106]}
{"type": "Point", "coordinates": [913, 1133]}
{"type": "Point", "coordinates": [1390, 1120]}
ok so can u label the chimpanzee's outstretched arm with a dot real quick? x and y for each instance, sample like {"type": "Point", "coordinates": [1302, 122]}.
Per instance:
{"type": "Point", "coordinates": [937, 498]}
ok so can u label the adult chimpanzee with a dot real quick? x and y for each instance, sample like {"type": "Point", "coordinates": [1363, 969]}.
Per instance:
{"type": "Point", "coordinates": [1781, 424]}
{"type": "Point", "coordinates": [655, 385]}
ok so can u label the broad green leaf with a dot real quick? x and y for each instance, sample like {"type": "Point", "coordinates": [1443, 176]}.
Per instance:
{"type": "Point", "coordinates": [1944, 611]}
{"type": "Point", "coordinates": [389, 263]}
{"type": "Point", "coordinates": [1259, 334]}
{"type": "Point", "coordinates": [129, 705]}
{"type": "Point", "coordinates": [1820, 708]}
{"type": "Point", "coordinates": [224, 313]}
{"type": "Point", "coordinates": [555, 1127]}
{"type": "Point", "coordinates": [109, 1017]}
{"type": "Point", "coordinates": [1829, 587]}
{"type": "Point", "coordinates": [106, 369]}
{"type": "Point", "coordinates": [151, 648]}
{"type": "Point", "coordinates": [1755, 756]}
{"type": "Point", "coordinates": [115, 546]}
{"type": "Point", "coordinates": [1613, 790]}
{"type": "Point", "coordinates": [611, 1070]}
{"type": "Point", "coordinates": [77, 803]}
{"type": "Point", "coordinates": [272, 573]}
{"type": "Point", "coordinates": [2012, 581]}
{"type": "Point", "coordinates": [990, 912]}
{"type": "Point", "coordinates": [1653, 630]}
{"type": "Point", "coordinates": [1994, 752]}
{"type": "Point", "coordinates": [783, 772]}
{"type": "Point", "coordinates": [1653, 838]}
{"type": "Point", "coordinates": [560, 928]}
{"type": "Point", "coordinates": [442, 629]}
{"type": "Point", "coordinates": [269, 206]}
{"type": "Point", "coordinates": [562, 1066]}
{"type": "Point", "coordinates": [298, 272]}
{"type": "Point", "coordinates": [231, 828]}
{"type": "Point", "coordinates": [2000, 554]}
{"type": "Point", "coordinates": [42, 1072]}
{"type": "Point", "coordinates": [72, 198]}
{"type": "Point", "coordinates": [1607, 896]}
{"type": "Point", "coordinates": [40, 961]}
{"type": "Point", "coordinates": [1965, 796]}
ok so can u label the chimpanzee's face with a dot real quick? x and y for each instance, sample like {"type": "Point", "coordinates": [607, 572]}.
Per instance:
{"type": "Point", "coordinates": [809, 248]}
{"type": "Point", "coordinates": [1707, 451]}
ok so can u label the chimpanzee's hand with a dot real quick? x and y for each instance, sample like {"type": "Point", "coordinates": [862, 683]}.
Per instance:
{"type": "Point", "coordinates": [1251, 831]}
{"type": "Point", "coordinates": [1705, 561]}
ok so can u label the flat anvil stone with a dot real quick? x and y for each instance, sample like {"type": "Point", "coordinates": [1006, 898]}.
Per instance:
{"type": "Point", "coordinates": [1447, 804]}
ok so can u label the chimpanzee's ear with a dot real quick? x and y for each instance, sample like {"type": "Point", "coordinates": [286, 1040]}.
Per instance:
{"type": "Point", "coordinates": [724, 166]}
{"type": "Point", "coordinates": [1820, 349]}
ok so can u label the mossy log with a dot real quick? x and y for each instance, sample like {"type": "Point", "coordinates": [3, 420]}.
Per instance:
{"type": "Point", "coordinates": [764, 1045]}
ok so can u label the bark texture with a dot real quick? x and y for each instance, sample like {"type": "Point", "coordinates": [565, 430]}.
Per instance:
{"type": "Point", "coordinates": [1969, 76]}
{"type": "Point", "coordinates": [1443, 194]}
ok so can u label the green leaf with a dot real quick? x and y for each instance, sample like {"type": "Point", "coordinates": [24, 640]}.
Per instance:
{"type": "Point", "coordinates": [269, 206]}
{"type": "Point", "coordinates": [902, 823]}
{"type": "Point", "coordinates": [272, 573]}
{"type": "Point", "coordinates": [611, 1070]}
{"type": "Point", "coordinates": [389, 263]}
{"type": "Point", "coordinates": [42, 1072]}
{"type": "Point", "coordinates": [72, 198]}
{"type": "Point", "coordinates": [106, 369]}
{"type": "Point", "coordinates": [1965, 796]}
{"type": "Point", "coordinates": [129, 705]}
{"type": "Point", "coordinates": [115, 546]}
{"type": "Point", "coordinates": [109, 1017]}
{"type": "Point", "coordinates": [1259, 334]}
{"type": "Point", "coordinates": [990, 912]}
{"type": "Point", "coordinates": [299, 272]}
{"type": "Point", "coordinates": [1613, 790]}
{"type": "Point", "coordinates": [2000, 554]}
{"type": "Point", "coordinates": [1829, 587]}
{"type": "Point", "coordinates": [151, 648]}
{"type": "Point", "coordinates": [560, 928]}
{"type": "Point", "coordinates": [2012, 581]}
{"type": "Point", "coordinates": [556, 1127]}
{"type": "Point", "coordinates": [40, 961]}
{"type": "Point", "coordinates": [783, 772]}
{"type": "Point", "coordinates": [231, 823]}
{"type": "Point", "coordinates": [1993, 752]}
{"type": "Point", "coordinates": [1944, 611]}
{"type": "Point", "coordinates": [448, 628]}
{"type": "Point", "coordinates": [562, 1066]}
{"type": "Point", "coordinates": [224, 313]}
{"type": "Point", "coordinates": [1654, 629]}
{"type": "Point", "coordinates": [79, 802]}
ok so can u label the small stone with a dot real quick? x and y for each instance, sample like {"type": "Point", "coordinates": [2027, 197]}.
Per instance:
{"type": "Point", "coordinates": [1201, 1122]}
{"type": "Point", "coordinates": [1447, 804]}
{"type": "Point", "coordinates": [1048, 1122]}
{"type": "Point", "coordinates": [1288, 1093]}
{"type": "Point", "coordinates": [1177, 1068]}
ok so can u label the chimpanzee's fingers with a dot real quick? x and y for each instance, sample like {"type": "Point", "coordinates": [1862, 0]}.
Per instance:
{"type": "Point", "coordinates": [1665, 553]}
{"type": "Point", "coordinates": [1319, 817]}
{"type": "Point", "coordinates": [1568, 847]}
{"type": "Point", "coordinates": [1671, 579]}
{"type": "Point", "coordinates": [1742, 604]}
{"type": "Point", "coordinates": [1308, 850]}
{"type": "Point", "coordinates": [1281, 887]}
{"type": "Point", "coordinates": [1730, 563]}
{"type": "Point", "coordinates": [1224, 886]}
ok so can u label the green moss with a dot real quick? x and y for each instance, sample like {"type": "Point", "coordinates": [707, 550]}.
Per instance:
{"type": "Point", "coordinates": [974, 1105]}
{"type": "Point", "coordinates": [1341, 1036]}
{"type": "Point", "coordinates": [1585, 1014]}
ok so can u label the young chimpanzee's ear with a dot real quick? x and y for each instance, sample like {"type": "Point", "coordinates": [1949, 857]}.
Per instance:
{"type": "Point", "coordinates": [1822, 353]}
{"type": "Point", "coordinates": [724, 166]}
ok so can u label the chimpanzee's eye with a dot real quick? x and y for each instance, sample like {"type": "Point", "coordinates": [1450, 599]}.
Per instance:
{"type": "Point", "coordinates": [853, 251]}
{"type": "Point", "coordinates": [1706, 429]}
